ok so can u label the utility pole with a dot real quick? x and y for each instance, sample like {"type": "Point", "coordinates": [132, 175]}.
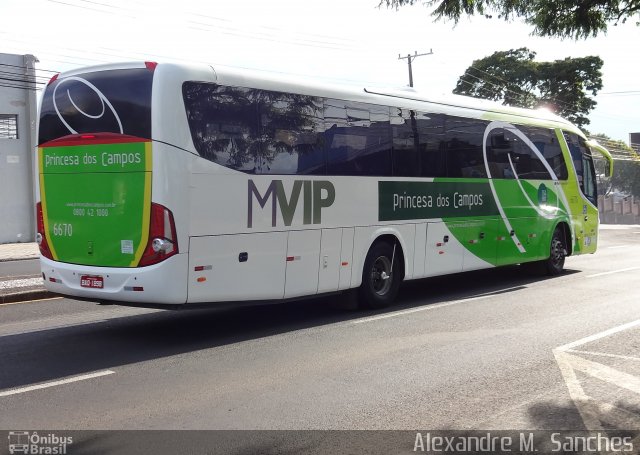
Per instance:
{"type": "Point", "coordinates": [410, 58]}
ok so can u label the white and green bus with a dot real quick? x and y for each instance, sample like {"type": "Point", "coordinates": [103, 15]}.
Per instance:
{"type": "Point", "coordinates": [165, 184]}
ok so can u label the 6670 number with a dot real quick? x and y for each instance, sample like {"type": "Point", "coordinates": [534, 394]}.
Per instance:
{"type": "Point", "coordinates": [62, 229]}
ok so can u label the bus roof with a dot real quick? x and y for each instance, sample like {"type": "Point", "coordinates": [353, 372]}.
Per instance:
{"type": "Point", "coordinates": [404, 96]}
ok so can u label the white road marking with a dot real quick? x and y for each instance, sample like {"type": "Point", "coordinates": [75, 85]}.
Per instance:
{"type": "Point", "coordinates": [597, 336]}
{"type": "Point", "coordinates": [21, 283]}
{"type": "Point", "coordinates": [606, 354]}
{"type": "Point", "coordinates": [617, 227]}
{"type": "Point", "coordinates": [45, 385]}
{"type": "Point", "coordinates": [424, 308]}
{"type": "Point", "coordinates": [19, 277]}
{"type": "Point", "coordinates": [613, 271]}
{"type": "Point", "coordinates": [605, 373]}
{"type": "Point", "coordinates": [592, 410]}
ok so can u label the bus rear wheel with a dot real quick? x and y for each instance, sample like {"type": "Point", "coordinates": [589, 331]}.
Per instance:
{"type": "Point", "coordinates": [557, 254]}
{"type": "Point", "coordinates": [381, 276]}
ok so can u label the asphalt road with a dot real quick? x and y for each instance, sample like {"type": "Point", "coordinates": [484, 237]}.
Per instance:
{"type": "Point", "coordinates": [496, 349]}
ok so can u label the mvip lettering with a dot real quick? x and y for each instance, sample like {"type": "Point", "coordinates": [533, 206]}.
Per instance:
{"type": "Point", "coordinates": [316, 194]}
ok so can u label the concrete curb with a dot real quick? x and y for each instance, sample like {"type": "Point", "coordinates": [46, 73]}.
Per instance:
{"type": "Point", "coordinates": [37, 294]}
{"type": "Point", "coordinates": [23, 258]}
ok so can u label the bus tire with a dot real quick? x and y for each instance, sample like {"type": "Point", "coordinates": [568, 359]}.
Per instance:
{"type": "Point", "coordinates": [380, 280]}
{"type": "Point", "coordinates": [554, 265]}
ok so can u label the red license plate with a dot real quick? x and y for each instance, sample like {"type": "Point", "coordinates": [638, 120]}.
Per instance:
{"type": "Point", "coordinates": [92, 281]}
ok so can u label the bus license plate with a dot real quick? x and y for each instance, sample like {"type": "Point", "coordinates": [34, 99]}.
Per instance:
{"type": "Point", "coordinates": [91, 281]}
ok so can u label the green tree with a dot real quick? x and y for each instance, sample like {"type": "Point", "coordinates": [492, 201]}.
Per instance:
{"type": "Point", "coordinates": [516, 79]}
{"type": "Point", "coordinates": [559, 18]}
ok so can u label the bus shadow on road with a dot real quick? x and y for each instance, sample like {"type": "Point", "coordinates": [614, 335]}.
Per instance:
{"type": "Point", "coordinates": [442, 289]}
{"type": "Point", "coordinates": [69, 350]}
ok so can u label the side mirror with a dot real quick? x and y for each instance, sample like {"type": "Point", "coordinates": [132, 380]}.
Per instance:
{"type": "Point", "coordinates": [608, 170]}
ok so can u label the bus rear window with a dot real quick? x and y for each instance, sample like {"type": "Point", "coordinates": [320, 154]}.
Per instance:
{"type": "Point", "coordinates": [111, 101]}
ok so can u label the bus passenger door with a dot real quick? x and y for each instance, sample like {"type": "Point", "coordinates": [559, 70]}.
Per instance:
{"type": "Point", "coordinates": [443, 251]}
{"type": "Point", "coordinates": [584, 199]}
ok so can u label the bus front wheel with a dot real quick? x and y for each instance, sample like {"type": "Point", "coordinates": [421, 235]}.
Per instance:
{"type": "Point", "coordinates": [557, 253]}
{"type": "Point", "coordinates": [381, 276]}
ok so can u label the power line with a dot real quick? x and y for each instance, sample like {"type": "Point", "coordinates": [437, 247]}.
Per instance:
{"type": "Point", "coordinates": [21, 81]}
{"type": "Point", "coordinates": [90, 9]}
{"type": "Point", "coordinates": [621, 92]}
{"type": "Point", "coordinates": [25, 78]}
{"type": "Point", "coordinates": [19, 87]}
{"type": "Point", "coordinates": [24, 68]}
{"type": "Point", "coordinates": [572, 108]}
{"type": "Point", "coordinates": [232, 31]}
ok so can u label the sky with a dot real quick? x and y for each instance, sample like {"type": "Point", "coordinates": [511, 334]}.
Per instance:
{"type": "Point", "coordinates": [344, 41]}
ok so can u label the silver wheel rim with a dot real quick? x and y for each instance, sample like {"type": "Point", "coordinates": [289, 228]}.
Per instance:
{"type": "Point", "coordinates": [381, 275]}
{"type": "Point", "coordinates": [557, 252]}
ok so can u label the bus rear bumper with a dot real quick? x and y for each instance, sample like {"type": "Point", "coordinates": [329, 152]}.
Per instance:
{"type": "Point", "coordinates": [163, 283]}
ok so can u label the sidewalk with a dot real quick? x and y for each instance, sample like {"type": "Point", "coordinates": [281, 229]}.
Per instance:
{"type": "Point", "coordinates": [17, 251]}
{"type": "Point", "coordinates": [21, 288]}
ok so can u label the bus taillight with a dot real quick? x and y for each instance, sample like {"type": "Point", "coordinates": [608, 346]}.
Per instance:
{"type": "Point", "coordinates": [53, 78]}
{"type": "Point", "coordinates": [163, 241]}
{"type": "Point", "coordinates": [41, 237]}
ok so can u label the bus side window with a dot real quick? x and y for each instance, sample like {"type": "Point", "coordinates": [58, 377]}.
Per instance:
{"type": "Point", "coordinates": [527, 162]}
{"type": "Point", "coordinates": [292, 129]}
{"type": "Point", "coordinates": [432, 145]}
{"type": "Point", "coordinates": [224, 124]}
{"type": "Point", "coordinates": [357, 138]}
{"type": "Point", "coordinates": [406, 162]}
{"type": "Point", "coordinates": [499, 150]}
{"type": "Point", "coordinates": [418, 144]}
{"type": "Point", "coordinates": [464, 137]}
{"type": "Point", "coordinates": [546, 142]}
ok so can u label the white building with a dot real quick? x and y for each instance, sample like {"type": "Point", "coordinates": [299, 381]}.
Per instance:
{"type": "Point", "coordinates": [18, 117]}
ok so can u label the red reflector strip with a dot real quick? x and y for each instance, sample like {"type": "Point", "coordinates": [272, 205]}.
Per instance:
{"type": "Point", "coordinates": [473, 241]}
{"type": "Point", "coordinates": [439, 244]}
{"type": "Point", "coordinates": [291, 258]}
{"type": "Point", "coordinates": [200, 268]}
{"type": "Point", "coordinates": [440, 252]}
{"type": "Point", "coordinates": [134, 288]}
{"type": "Point", "coordinates": [501, 238]}
{"type": "Point", "coordinates": [201, 279]}
{"type": "Point", "coordinates": [54, 280]}
{"type": "Point", "coordinates": [345, 263]}
{"type": "Point", "coordinates": [532, 236]}
{"type": "Point", "coordinates": [101, 138]}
